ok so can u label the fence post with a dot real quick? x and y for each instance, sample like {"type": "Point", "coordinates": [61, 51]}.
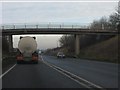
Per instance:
{"type": "Point", "coordinates": [37, 26]}
{"type": "Point", "coordinates": [25, 25]}
{"type": "Point", "coordinates": [2, 27]}
{"type": "Point", "coordinates": [13, 26]}
{"type": "Point", "coordinates": [102, 26]}
{"type": "Point", "coordinates": [72, 26]}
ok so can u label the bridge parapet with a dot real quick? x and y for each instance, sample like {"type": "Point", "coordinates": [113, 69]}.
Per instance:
{"type": "Point", "coordinates": [35, 26]}
{"type": "Point", "coordinates": [17, 29]}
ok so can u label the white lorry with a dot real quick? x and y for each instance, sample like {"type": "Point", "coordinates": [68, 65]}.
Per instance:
{"type": "Point", "coordinates": [27, 48]}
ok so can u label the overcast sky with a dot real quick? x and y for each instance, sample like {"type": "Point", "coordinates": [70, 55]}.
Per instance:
{"type": "Point", "coordinates": [82, 12]}
{"type": "Point", "coordinates": [59, 0]}
{"type": "Point", "coordinates": [43, 41]}
{"type": "Point", "coordinates": [61, 12]}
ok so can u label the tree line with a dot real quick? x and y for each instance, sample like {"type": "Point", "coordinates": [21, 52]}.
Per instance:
{"type": "Point", "coordinates": [104, 23]}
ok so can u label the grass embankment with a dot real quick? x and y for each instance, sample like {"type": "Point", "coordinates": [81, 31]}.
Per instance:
{"type": "Point", "coordinates": [8, 59]}
{"type": "Point", "coordinates": [103, 51]}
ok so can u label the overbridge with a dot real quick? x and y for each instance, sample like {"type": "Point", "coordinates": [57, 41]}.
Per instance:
{"type": "Point", "coordinates": [9, 30]}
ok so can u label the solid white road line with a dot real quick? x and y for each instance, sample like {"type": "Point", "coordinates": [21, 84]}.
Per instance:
{"type": "Point", "coordinates": [7, 71]}
{"type": "Point", "coordinates": [67, 75]}
{"type": "Point", "coordinates": [55, 67]}
{"type": "Point", "coordinates": [78, 77]}
{"type": "Point", "coordinates": [64, 74]}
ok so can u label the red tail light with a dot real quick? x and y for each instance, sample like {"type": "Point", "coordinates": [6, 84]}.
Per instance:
{"type": "Point", "coordinates": [34, 57]}
{"type": "Point", "coordinates": [20, 57]}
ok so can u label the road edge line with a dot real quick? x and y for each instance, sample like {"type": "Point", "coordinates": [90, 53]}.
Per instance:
{"type": "Point", "coordinates": [64, 74]}
{"type": "Point", "coordinates": [55, 67]}
{"type": "Point", "coordinates": [7, 71]}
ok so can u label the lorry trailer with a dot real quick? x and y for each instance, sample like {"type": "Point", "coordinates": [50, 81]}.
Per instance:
{"type": "Point", "coordinates": [27, 50]}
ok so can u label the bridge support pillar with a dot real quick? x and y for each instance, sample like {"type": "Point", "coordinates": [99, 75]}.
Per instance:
{"type": "Point", "coordinates": [10, 42]}
{"type": "Point", "coordinates": [77, 45]}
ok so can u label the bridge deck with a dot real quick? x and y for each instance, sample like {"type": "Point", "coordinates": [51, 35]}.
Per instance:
{"type": "Point", "coordinates": [56, 31]}
{"type": "Point", "coordinates": [52, 29]}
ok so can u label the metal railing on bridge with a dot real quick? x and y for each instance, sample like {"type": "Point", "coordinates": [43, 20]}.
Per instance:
{"type": "Point", "coordinates": [23, 26]}
{"type": "Point", "coordinates": [55, 28]}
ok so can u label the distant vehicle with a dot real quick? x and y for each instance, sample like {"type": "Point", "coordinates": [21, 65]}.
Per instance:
{"type": "Point", "coordinates": [39, 52]}
{"type": "Point", "coordinates": [60, 55]}
{"type": "Point", "coordinates": [27, 50]}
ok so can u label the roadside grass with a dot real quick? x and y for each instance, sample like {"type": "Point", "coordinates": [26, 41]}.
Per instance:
{"type": "Point", "coordinates": [106, 51]}
{"type": "Point", "coordinates": [8, 59]}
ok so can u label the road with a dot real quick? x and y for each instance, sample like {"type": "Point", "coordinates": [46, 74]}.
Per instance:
{"type": "Point", "coordinates": [42, 76]}
{"type": "Point", "coordinates": [36, 76]}
{"type": "Point", "coordinates": [100, 73]}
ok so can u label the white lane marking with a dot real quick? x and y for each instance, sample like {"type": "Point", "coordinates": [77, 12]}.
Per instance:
{"type": "Point", "coordinates": [54, 67]}
{"type": "Point", "coordinates": [7, 71]}
{"type": "Point", "coordinates": [79, 77]}
{"type": "Point", "coordinates": [67, 75]}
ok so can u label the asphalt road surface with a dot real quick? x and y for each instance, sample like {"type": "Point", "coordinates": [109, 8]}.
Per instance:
{"type": "Point", "coordinates": [37, 76]}
{"type": "Point", "coordinates": [99, 73]}
{"type": "Point", "coordinates": [42, 76]}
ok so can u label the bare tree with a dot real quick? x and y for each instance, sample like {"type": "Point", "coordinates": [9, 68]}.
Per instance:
{"type": "Point", "coordinates": [100, 24]}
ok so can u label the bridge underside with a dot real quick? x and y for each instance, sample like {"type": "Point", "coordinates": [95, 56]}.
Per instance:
{"type": "Point", "coordinates": [76, 31]}
{"type": "Point", "coordinates": [77, 45]}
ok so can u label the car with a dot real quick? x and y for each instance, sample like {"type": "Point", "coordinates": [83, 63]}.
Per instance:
{"type": "Point", "coordinates": [60, 55]}
{"type": "Point", "coordinates": [39, 52]}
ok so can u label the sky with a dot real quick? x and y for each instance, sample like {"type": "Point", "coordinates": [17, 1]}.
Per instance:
{"type": "Point", "coordinates": [54, 12]}
{"type": "Point", "coordinates": [43, 41]}
{"type": "Point", "coordinates": [59, 0]}
{"type": "Point", "coordinates": [61, 12]}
